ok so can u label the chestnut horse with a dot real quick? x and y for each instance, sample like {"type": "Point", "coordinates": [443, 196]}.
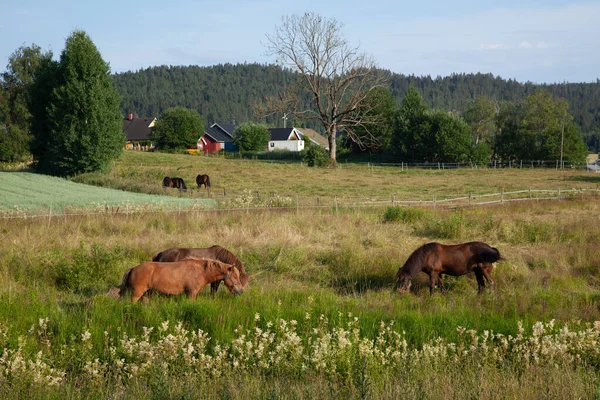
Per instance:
{"type": "Point", "coordinates": [436, 259]}
{"type": "Point", "coordinates": [176, 183]}
{"type": "Point", "coordinates": [203, 180]}
{"type": "Point", "coordinates": [215, 252]}
{"type": "Point", "coordinates": [189, 276]}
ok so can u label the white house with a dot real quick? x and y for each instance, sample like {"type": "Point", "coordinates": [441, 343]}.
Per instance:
{"type": "Point", "coordinates": [285, 139]}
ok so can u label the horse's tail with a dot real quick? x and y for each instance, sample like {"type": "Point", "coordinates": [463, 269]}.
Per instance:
{"type": "Point", "coordinates": [487, 254]}
{"type": "Point", "coordinates": [125, 282]}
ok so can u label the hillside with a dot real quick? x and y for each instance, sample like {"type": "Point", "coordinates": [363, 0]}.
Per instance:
{"type": "Point", "coordinates": [226, 93]}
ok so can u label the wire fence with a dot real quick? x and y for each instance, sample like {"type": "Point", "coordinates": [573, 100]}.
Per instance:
{"type": "Point", "coordinates": [254, 202]}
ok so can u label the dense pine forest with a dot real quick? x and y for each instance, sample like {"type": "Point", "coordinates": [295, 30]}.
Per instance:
{"type": "Point", "coordinates": [226, 93]}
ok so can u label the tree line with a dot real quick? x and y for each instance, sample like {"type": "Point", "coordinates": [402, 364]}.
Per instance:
{"type": "Point", "coordinates": [228, 92]}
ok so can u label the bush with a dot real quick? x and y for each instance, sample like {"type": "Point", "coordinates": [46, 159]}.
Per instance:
{"type": "Point", "coordinates": [409, 215]}
{"type": "Point", "coordinates": [314, 155]}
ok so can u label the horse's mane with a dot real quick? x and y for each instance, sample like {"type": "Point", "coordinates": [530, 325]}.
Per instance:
{"type": "Point", "coordinates": [228, 257]}
{"type": "Point", "coordinates": [207, 263]}
{"type": "Point", "coordinates": [416, 260]}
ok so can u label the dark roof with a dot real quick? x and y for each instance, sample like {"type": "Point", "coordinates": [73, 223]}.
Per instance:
{"type": "Point", "coordinates": [226, 128]}
{"type": "Point", "coordinates": [217, 134]}
{"type": "Point", "coordinates": [280, 133]}
{"type": "Point", "coordinates": [137, 128]}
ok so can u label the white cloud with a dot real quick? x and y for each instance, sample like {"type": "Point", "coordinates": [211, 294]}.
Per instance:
{"type": "Point", "coordinates": [494, 46]}
{"type": "Point", "coordinates": [525, 45]}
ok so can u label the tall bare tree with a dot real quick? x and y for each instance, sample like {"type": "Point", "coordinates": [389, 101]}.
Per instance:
{"type": "Point", "coordinates": [337, 76]}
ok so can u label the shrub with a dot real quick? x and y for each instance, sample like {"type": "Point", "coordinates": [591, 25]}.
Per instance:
{"type": "Point", "coordinates": [408, 215]}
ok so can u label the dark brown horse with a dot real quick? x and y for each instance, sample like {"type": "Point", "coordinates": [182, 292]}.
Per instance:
{"type": "Point", "coordinates": [189, 276]}
{"type": "Point", "coordinates": [203, 180]}
{"type": "Point", "coordinates": [436, 259]}
{"type": "Point", "coordinates": [215, 252]}
{"type": "Point", "coordinates": [176, 183]}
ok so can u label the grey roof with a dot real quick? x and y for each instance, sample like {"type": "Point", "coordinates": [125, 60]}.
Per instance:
{"type": "Point", "coordinates": [217, 134]}
{"type": "Point", "coordinates": [280, 133]}
{"type": "Point", "coordinates": [226, 128]}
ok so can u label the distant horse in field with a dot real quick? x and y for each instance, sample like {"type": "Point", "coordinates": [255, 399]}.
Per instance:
{"type": "Point", "coordinates": [203, 180]}
{"type": "Point", "coordinates": [436, 259]}
{"type": "Point", "coordinates": [189, 276]}
{"type": "Point", "coordinates": [176, 183]}
{"type": "Point", "coordinates": [215, 252]}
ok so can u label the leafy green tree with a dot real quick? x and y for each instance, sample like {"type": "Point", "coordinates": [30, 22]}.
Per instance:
{"type": "Point", "coordinates": [177, 128]}
{"type": "Point", "coordinates": [251, 137]}
{"type": "Point", "coordinates": [380, 112]}
{"type": "Point", "coordinates": [83, 121]}
{"type": "Point", "coordinates": [540, 128]}
{"type": "Point", "coordinates": [450, 138]}
{"type": "Point", "coordinates": [15, 117]}
{"type": "Point", "coordinates": [481, 117]}
{"type": "Point", "coordinates": [412, 132]}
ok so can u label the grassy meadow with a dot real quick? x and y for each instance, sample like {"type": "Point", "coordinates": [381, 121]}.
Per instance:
{"type": "Point", "coordinates": [319, 318]}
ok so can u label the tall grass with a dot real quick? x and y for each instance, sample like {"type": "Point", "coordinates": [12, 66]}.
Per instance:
{"type": "Point", "coordinates": [307, 267]}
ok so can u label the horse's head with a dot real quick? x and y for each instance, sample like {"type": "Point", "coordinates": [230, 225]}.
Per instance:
{"type": "Point", "coordinates": [403, 282]}
{"type": "Point", "coordinates": [232, 280]}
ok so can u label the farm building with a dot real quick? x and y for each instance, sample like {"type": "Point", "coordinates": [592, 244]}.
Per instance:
{"type": "Point", "coordinates": [137, 130]}
{"type": "Point", "coordinates": [285, 139]}
{"type": "Point", "coordinates": [315, 137]}
{"type": "Point", "coordinates": [217, 137]}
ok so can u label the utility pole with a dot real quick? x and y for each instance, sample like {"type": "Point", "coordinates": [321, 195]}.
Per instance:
{"type": "Point", "coordinates": [285, 117]}
{"type": "Point", "coordinates": [562, 142]}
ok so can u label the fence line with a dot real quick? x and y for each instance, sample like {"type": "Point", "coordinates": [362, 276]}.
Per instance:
{"type": "Point", "coordinates": [224, 205]}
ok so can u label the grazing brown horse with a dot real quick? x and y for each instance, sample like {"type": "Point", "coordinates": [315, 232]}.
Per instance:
{"type": "Point", "coordinates": [203, 180]}
{"type": "Point", "coordinates": [189, 276]}
{"type": "Point", "coordinates": [176, 183]}
{"type": "Point", "coordinates": [215, 252]}
{"type": "Point", "coordinates": [436, 259]}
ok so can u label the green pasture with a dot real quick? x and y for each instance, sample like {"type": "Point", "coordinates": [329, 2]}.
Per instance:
{"type": "Point", "coordinates": [28, 191]}
{"type": "Point", "coordinates": [143, 172]}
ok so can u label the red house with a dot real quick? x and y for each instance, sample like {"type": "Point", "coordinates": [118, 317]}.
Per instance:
{"type": "Point", "coordinates": [216, 138]}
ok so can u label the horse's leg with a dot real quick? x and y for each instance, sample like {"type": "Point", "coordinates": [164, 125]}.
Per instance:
{"type": "Point", "coordinates": [440, 283]}
{"type": "Point", "coordinates": [480, 282]}
{"type": "Point", "coordinates": [433, 280]}
{"type": "Point", "coordinates": [137, 294]}
{"type": "Point", "coordinates": [487, 273]}
{"type": "Point", "coordinates": [214, 286]}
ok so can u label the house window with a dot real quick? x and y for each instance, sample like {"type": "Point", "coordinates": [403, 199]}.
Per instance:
{"type": "Point", "coordinates": [272, 144]}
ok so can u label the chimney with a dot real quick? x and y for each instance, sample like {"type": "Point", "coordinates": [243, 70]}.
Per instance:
{"type": "Point", "coordinates": [130, 116]}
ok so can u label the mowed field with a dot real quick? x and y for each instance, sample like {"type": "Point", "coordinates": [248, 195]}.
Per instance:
{"type": "Point", "coordinates": [319, 318]}
{"type": "Point", "coordinates": [32, 192]}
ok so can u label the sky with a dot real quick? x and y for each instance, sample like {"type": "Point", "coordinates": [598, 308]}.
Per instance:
{"type": "Point", "coordinates": [545, 41]}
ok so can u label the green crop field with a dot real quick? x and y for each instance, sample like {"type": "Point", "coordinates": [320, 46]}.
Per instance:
{"type": "Point", "coordinates": [30, 191]}
{"type": "Point", "coordinates": [319, 318]}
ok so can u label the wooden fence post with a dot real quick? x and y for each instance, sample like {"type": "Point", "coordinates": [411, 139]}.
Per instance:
{"type": "Point", "coordinates": [336, 205]}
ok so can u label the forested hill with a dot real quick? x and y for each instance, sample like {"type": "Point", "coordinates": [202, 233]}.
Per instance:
{"type": "Point", "coordinates": [225, 93]}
